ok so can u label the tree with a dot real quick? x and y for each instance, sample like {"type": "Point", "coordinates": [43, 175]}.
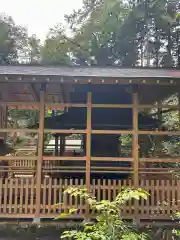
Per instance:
{"type": "Point", "coordinates": [56, 49]}
{"type": "Point", "coordinates": [159, 18]}
{"type": "Point", "coordinates": [34, 49]}
{"type": "Point", "coordinates": [125, 33]}
{"type": "Point", "coordinates": [94, 30]}
{"type": "Point", "coordinates": [12, 40]}
{"type": "Point", "coordinates": [98, 32]}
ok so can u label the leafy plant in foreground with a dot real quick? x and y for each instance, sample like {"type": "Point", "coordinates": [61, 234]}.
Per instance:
{"type": "Point", "coordinates": [176, 231]}
{"type": "Point", "coordinates": [109, 224]}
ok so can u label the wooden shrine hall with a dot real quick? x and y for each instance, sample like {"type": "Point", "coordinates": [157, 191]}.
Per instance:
{"type": "Point", "coordinates": [119, 117]}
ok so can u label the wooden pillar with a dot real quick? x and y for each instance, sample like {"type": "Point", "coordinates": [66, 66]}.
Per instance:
{"type": "Point", "coordinates": [5, 122]}
{"type": "Point", "coordinates": [88, 149]}
{"type": "Point", "coordinates": [40, 152]}
{"type": "Point", "coordinates": [56, 145]}
{"type": "Point", "coordinates": [88, 141]}
{"type": "Point", "coordinates": [62, 145]}
{"type": "Point", "coordinates": [179, 107]}
{"type": "Point", "coordinates": [159, 114]}
{"type": "Point", "coordinates": [53, 113]}
{"type": "Point", "coordinates": [135, 145]}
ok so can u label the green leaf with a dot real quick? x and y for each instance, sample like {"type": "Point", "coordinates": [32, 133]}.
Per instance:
{"type": "Point", "coordinates": [62, 215]}
{"type": "Point", "coordinates": [69, 234]}
{"type": "Point", "coordinates": [177, 214]}
{"type": "Point", "coordinates": [72, 210]}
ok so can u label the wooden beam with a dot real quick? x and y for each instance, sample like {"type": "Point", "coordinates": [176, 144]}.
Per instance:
{"type": "Point", "coordinates": [144, 80]}
{"type": "Point", "coordinates": [111, 159]}
{"type": "Point", "coordinates": [80, 131]}
{"type": "Point", "coordinates": [67, 145]}
{"type": "Point", "coordinates": [10, 158]}
{"type": "Point", "coordinates": [13, 130]}
{"type": "Point", "coordinates": [74, 131]}
{"type": "Point", "coordinates": [40, 152]}
{"type": "Point", "coordinates": [20, 103]}
{"type": "Point", "coordinates": [84, 171]}
{"type": "Point", "coordinates": [63, 105]}
{"type": "Point", "coordinates": [135, 143]}
{"type": "Point", "coordinates": [77, 168]}
{"type": "Point", "coordinates": [63, 131]}
{"type": "Point", "coordinates": [160, 172]}
{"type": "Point", "coordinates": [88, 141]}
{"type": "Point", "coordinates": [118, 132]}
{"type": "Point", "coordinates": [18, 171]}
{"type": "Point", "coordinates": [112, 105]}
{"type": "Point", "coordinates": [84, 105]}
{"type": "Point", "coordinates": [106, 159]}
{"type": "Point", "coordinates": [59, 158]}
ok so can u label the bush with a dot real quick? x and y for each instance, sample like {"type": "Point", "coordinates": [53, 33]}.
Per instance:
{"type": "Point", "coordinates": [109, 224]}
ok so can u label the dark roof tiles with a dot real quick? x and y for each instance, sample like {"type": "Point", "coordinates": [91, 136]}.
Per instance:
{"type": "Point", "coordinates": [105, 72]}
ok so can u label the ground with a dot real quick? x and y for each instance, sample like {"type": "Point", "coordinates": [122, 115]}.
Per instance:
{"type": "Point", "coordinates": [16, 232]}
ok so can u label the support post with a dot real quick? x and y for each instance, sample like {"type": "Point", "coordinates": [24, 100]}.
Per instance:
{"type": "Point", "coordinates": [178, 183]}
{"type": "Point", "coordinates": [88, 141]}
{"type": "Point", "coordinates": [88, 148]}
{"type": "Point", "coordinates": [135, 145]}
{"type": "Point", "coordinates": [40, 154]}
{"type": "Point", "coordinates": [62, 145]}
{"type": "Point", "coordinates": [135, 152]}
{"type": "Point", "coordinates": [179, 107]}
{"type": "Point", "coordinates": [159, 113]}
{"type": "Point", "coordinates": [5, 121]}
{"type": "Point", "coordinates": [56, 145]}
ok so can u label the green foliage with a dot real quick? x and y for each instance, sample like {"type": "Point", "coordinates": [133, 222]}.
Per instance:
{"type": "Point", "coordinates": [117, 32]}
{"type": "Point", "coordinates": [24, 118]}
{"type": "Point", "coordinates": [33, 44]}
{"type": "Point", "coordinates": [98, 35]}
{"type": "Point", "coordinates": [12, 40]}
{"type": "Point", "coordinates": [176, 232]}
{"type": "Point", "coordinates": [56, 48]}
{"type": "Point", "coordinates": [109, 224]}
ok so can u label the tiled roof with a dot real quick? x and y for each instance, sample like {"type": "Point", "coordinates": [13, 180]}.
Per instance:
{"type": "Point", "coordinates": [103, 72]}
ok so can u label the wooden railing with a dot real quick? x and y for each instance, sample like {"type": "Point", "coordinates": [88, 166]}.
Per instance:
{"type": "Point", "coordinates": [149, 168]}
{"type": "Point", "coordinates": [18, 197]}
